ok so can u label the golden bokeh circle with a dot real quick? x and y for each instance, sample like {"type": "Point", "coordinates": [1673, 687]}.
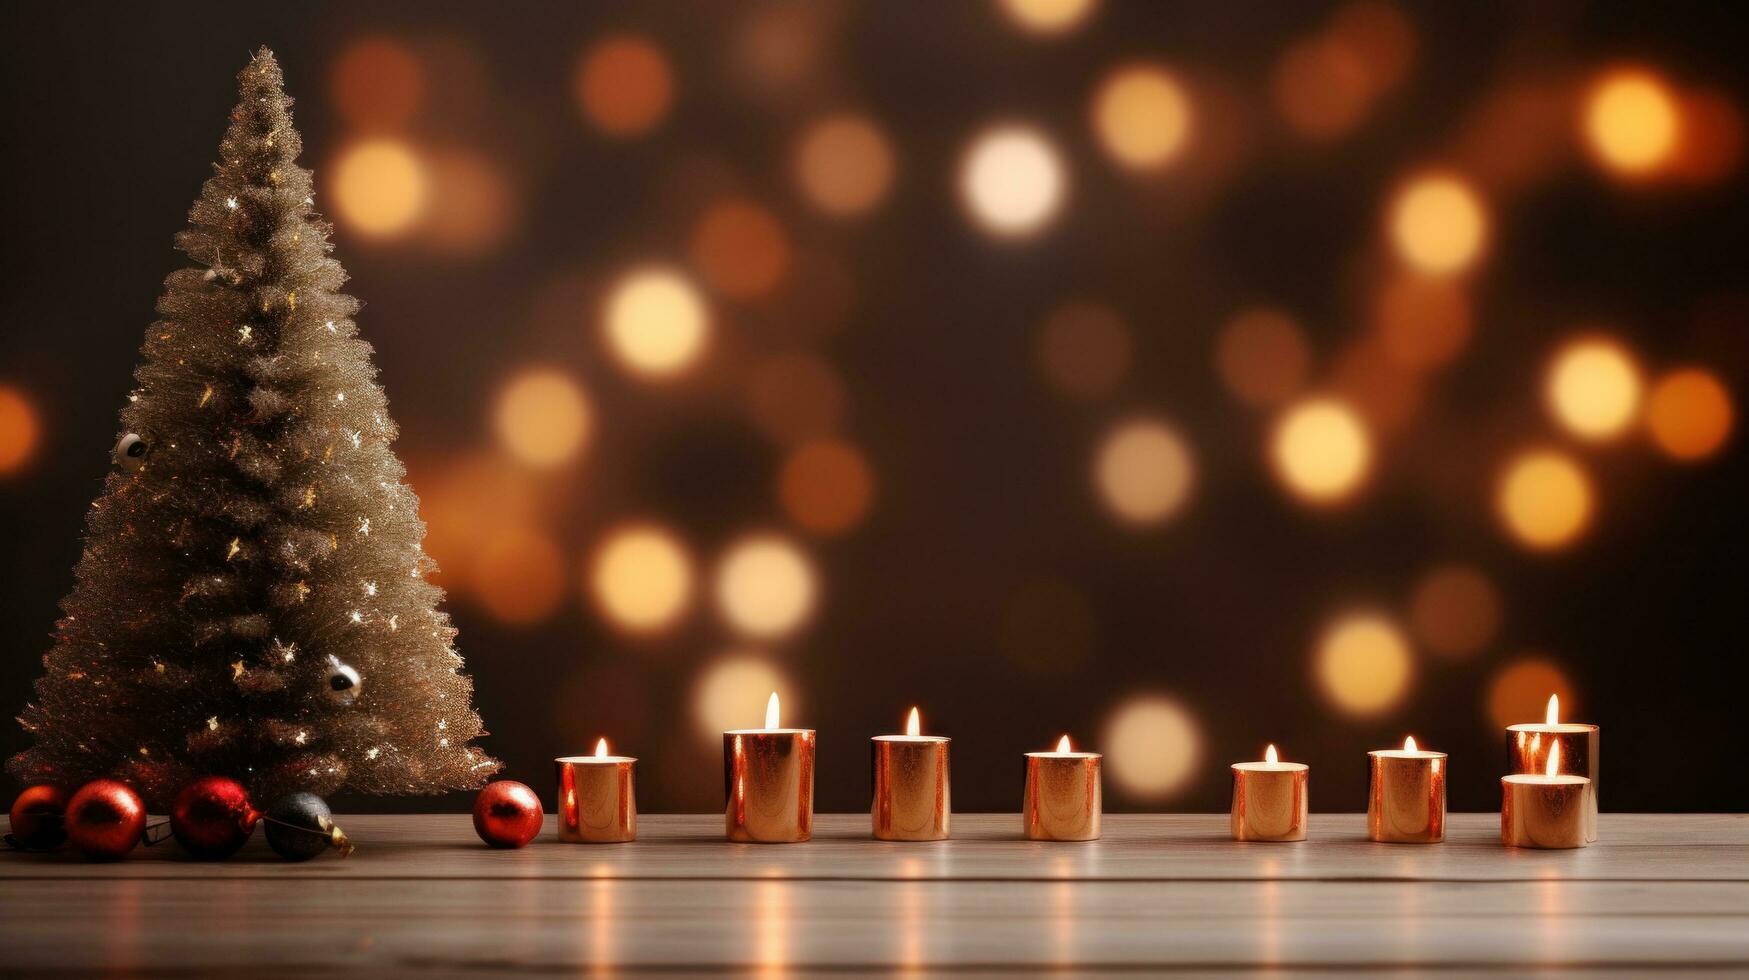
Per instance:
{"type": "Point", "coordinates": [625, 85]}
{"type": "Point", "coordinates": [1142, 116]}
{"type": "Point", "coordinates": [1321, 450]}
{"type": "Point", "coordinates": [1545, 499]}
{"type": "Point", "coordinates": [1144, 471]}
{"type": "Point", "coordinates": [1593, 388]}
{"type": "Point", "coordinates": [1152, 746]}
{"type": "Point", "coordinates": [1363, 664]}
{"type": "Point", "coordinates": [641, 577]}
{"type": "Point", "coordinates": [380, 187]}
{"type": "Point", "coordinates": [765, 585]}
{"type": "Point", "coordinates": [656, 322]}
{"type": "Point", "coordinates": [1689, 414]}
{"type": "Point", "coordinates": [827, 486]}
{"type": "Point", "coordinates": [844, 164]}
{"type": "Point", "coordinates": [542, 417]}
{"type": "Point", "coordinates": [1438, 223]}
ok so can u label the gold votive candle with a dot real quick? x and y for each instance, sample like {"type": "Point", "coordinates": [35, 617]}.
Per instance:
{"type": "Point", "coordinates": [768, 780]}
{"type": "Point", "coordinates": [911, 785]}
{"type": "Point", "coordinates": [1270, 799]}
{"type": "Point", "coordinates": [1063, 799]}
{"type": "Point", "coordinates": [1529, 746]}
{"type": "Point", "coordinates": [1547, 810]}
{"type": "Point", "coordinates": [1406, 802]}
{"type": "Point", "coordinates": [597, 799]}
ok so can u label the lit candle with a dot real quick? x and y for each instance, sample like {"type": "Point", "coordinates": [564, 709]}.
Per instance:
{"type": "Point", "coordinates": [1528, 747]}
{"type": "Point", "coordinates": [1063, 795]}
{"type": "Point", "coordinates": [1406, 804]}
{"type": "Point", "coordinates": [911, 792]}
{"type": "Point", "coordinates": [768, 778]}
{"type": "Point", "coordinates": [1550, 810]}
{"type": "Point", "coordinates": [597, 802]}
{"type": "Point", "coordinates": [1269, 799]}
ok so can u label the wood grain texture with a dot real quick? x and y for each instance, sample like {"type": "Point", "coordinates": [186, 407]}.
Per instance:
{"type": "Point", "coordinates": [1157, 893]}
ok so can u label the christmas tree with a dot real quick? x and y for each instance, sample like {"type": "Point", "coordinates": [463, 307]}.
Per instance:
{"type": "Point", "coordinates": [252, 600]}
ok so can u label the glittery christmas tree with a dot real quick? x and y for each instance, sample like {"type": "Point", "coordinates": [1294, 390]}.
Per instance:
{"type": "Point", "coordinates": [252, 600]}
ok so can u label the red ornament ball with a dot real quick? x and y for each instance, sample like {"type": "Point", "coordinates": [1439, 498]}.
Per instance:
{"type": "Point", "coordinates": [212, 817]}
{"type": "Point", "coordinates": [105, 819]}
{"type": "Point", "coordinates": [507, 814]}
{"type": "Point", "coordinates": [39, 818]}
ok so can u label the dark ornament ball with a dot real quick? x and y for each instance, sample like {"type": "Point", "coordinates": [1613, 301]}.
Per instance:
{"type": "Point", "coordinates": [130, 452]}
{"type": "Point", "coordinates": [212, 818]}
{"type": "Point", "coordinates": [343, 683]}
{"type": "Point", "coordinates": [301, 826]}
{"type": "Point", "coordinates": [39, 818]}
{"type": "Point", "coordinates": [105, 819]}
{"type": "Point", "coordinates": [507, 814]}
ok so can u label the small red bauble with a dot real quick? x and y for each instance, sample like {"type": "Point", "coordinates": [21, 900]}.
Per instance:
{"type": "Point", "coordinates": [105, 819]}
{"type": "Point", "coordinates": [212, 817]}
{"type": "Point", "coordinates": [39, 818]}
{"type": "Point", "coordinates": [507, 814]}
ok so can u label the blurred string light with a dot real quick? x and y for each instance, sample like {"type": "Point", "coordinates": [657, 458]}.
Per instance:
{"type": "Point", "coordinates": [1438, 224]}
{"type": "Point", "coordinates": [519, 576]}
{"type": "Point", "coordinates": [1320, 450]}
{"type": "Point", "coordinates": [1144, 471]}
{"type": "Point", "coordinates": [1048, 17]}
{"type": "Point", "coordinates": [1152, 746]}
{"type": "Point", "coordinates": [641, 577]}
{"type": "Point", "coordinates": [1544, 499]}
{"type": "Point", "coordinates": [826, 486]}
{"type": "Point", "coordinates": [1423, 321]}
{"type": "Point", "coordinates": [380, 187]}
{"type": "Point", "coordinates": [1455, 610]}
{"type": "Point", "coordinates": [655, 322]}
{"type": "Point", "coordinates": [1363, 664]}
{"type": "Point", "coordinates": [542, 417]}
{"type": "Point", "coordinates": [740, 248]}
{"type": "Point", "coordinates": [378, 83]}
{"type": "Point", "coordinates": [1593, 388]}
{"type": "Point", "coordinates": [1632, 121]}
{"type": "Point", "coordinates": [765, 586]}
{"type": "Point", "coordinates": [625, 85]}
{"type": "Point", "coordinates": [731, 693]}
{"type": "Point", "coordinates": [1262, 356]}
{"type": "Point", "coordinates": [1689, 414]}
{"type": "Point", "coordinates": [1084, 350]}
{"type": "Point", "coordinates": [19, 429]}
{"type": "Point", "coordinates": [1520, 691]}
{"type": "Point", "coordinates": [793, 397]}
{"type": "Point", "coordinates": [1142, 116]}
{"type": "Point", "coordinates": [1012, 180]}
{"type": "Point", "coordinates": [1325, 84]}
{"type": "Point", "coordinates": [1047, 627]}
{"type": "Point", "coordinates": [844, 165]}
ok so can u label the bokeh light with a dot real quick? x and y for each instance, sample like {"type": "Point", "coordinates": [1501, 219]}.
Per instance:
{"type": "Point", "coordinates": [641, 577]}
{"type": "Point", "coordinates": [1142, 116]}
{"type": "Point", "coordinates": [1084, 350]}
{"type": "Point", "coordinates": [1047, 17]}
{"type": "Point", "coordinates": [378, 83]}
{"type": "Point", "coordinates": [465, 503]}
{"type": "Point", "coordinates": [1711, 147]}
{"type": "Point", "coordinates": [1381, 37]}
{"type": "Point", "coordinates": [765, 585]}
{"type": "Point", "coordinates": [655, 321]}
{"type": "Point", "coordinates": [1262, 356]}
{"type": "Point", "coordinates": [794, 397]}
{"type": "Point", "coordinates": [19, 429]}
{"type": "Point", "coordinates": [478, 209]}
{"type": "Point", "coordinates": [519, 576]}
{"type": "Point", "coordinates": [844, 164]}
{"type": "Point", "coordinates": [379, 187]}
{"type": "Point", "coordinates": [1363, 664]}
{"type": "Point", "coordinates": [1689, 414]}
{"type": "Point", "coordinates": [625, 85]}
{"type": "Point", "coordinates": [740, 248]}
{"type": "Point", "coordinates": [1013, 181]}
{"type": "Point", "coordinates": [1632, 121]}
{"type": "Point", "coordinates": [1144, 471]}
{"type": "Point", "coordinates": [542, 417]}
{"type": "Point", "coordinates": [1320, 450]}
{"type": "Point", "coordinates": [1320, 87]}
{"type": "Point", "coordinates": [1047, 627]}
{"type": "Point", "coordinates": [1455, 610]}
{"type": "Point", "coordinates": [1438, 224]}
{"type": "Point", "coordinates": [1423, 321]}
{"type": "Point", "coordinates": [1593, 388]}
{"type": "Point", "coordinates": [1519, 692]}
{"type": "Point", "coordinates": [826, 486]}
{"type": "Point", "coordinates": [1152, 746]}
{"type": "Point", "coordinates": [1544, 499]}
{"type": "Point", "coordinates": [731, 693]}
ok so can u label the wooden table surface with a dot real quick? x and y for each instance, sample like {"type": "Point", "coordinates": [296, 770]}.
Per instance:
{"type": "Point", "coordinates": [1166, 893]}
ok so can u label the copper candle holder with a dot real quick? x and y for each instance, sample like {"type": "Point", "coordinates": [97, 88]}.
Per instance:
{"type": "Point", "coordinates": [1529, 746]}
{"type": "Point", "coordinates": [1551, 810]}
{"type": "Point", "coordinates": [597, 801]}
{"type": "Point", "coordinates": [768, 780]}
{"type": "Point", "coordinates": [1406, 803]}
{"type": "Point", "coordinates": [1270, 799]}
{"type": "Point", "coordinates": [1063, 796]}
{"type": "Point", "coordinates": [911, 785]}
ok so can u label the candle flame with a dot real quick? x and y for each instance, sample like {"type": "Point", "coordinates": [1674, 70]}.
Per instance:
{"type": "Point", "coordinates": [1554, 766]}
{"type": "Point", "coordinates": [771, 711]}
{"type": "Point", "coordinates": [914, 725]}
{"type": "Point", "coordinates": [1409, 744]}
{"type": "Point", "coordinates": [1269, 754]}
{"type": "Point", "coordinates": [1063, 744]}
{"type": "Point", "coordinates": [601, 749]}
{"type": "Point", "coordinates": [1554, 713]}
